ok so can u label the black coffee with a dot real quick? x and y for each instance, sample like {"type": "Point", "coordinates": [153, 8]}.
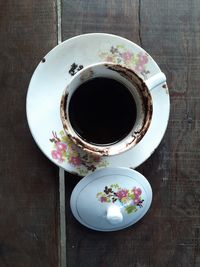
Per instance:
{"type": "Point", "coordinates": [102, 111]}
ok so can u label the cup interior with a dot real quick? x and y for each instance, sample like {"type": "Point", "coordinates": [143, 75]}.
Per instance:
{"type": "Point", "coordinates": [135, 87]}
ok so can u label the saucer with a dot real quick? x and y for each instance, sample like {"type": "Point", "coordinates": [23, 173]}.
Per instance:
{"type": "Point", "coordinates": [53, 74]}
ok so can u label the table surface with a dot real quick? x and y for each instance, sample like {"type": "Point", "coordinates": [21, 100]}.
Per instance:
{"type": "Point", "coordinates": [169, 235]}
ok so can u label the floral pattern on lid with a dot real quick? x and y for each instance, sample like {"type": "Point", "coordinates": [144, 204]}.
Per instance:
{"type": "Point", "coordinates": [130, 199]}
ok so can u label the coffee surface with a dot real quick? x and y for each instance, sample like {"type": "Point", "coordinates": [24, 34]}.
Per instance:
{"type": "Point", "coordinates": [102, 111]}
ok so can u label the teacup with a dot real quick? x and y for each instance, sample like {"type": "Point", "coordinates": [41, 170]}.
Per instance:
{"type": "Point", "coordinates": [107, 108]}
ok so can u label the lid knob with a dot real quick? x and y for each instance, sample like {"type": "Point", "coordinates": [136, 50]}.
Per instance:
{"type": "Point", "coordinates": [114, 215]}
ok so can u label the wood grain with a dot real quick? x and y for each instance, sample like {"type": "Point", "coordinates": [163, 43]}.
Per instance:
{"type": "Point", "coordinates": [176, 184]}
{"type": "Point", "coordinates": [113, 16]}
{"type": "Point", "coordinates": [169, 235]}
{"type": "Point", "coordinates": [28, 181]}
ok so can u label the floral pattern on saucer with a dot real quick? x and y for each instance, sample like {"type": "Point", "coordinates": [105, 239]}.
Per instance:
{"type": "Point", "coordinates": [130, 199]}
{"type": "Point", "coordinates": [64, 150]}
{"type": "Point", "coordinates": [120, 55]}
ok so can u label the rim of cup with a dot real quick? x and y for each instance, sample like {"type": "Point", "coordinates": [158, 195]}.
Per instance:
{"type": "Point", "coordinates": [141, 93]}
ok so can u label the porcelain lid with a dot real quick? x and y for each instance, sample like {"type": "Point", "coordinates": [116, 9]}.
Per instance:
{"type": "Point", "coordinates": [111, 199]}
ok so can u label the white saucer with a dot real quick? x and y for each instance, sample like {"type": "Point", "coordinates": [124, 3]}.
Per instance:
{"type": "Point", "coordinates": [53, 74]}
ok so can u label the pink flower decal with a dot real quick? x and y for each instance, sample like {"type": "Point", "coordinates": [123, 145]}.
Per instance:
{"type": "Point", "coordinates": [122, 193]}
{"type": "Point", "coordinates": [136, 201]}
{"type": "Point", "coordinates": [139, 68]}
{"type": "Point", "coordinates": [64, 150]}
{"type": "Point", "coordinates": [109, 59]}
{"type": "Point", "coordinates": [130, 199]}
{"type": "Point", "coordinates": [143, 59]}
{"type": "Point", "coordinates": [137, 191]}
{"type": "Point", "coordinates": [103, 199]}
{"type": "Point", "coordinates": [57, 155]}
{"type": "Point", "coordinates": [127, 56]}
{"type": "Point", "coordinates": [61, 146]}
{"type": "Point", "coordinates": [76, 161]}
{"type": "Point", "coordinates": [119, 54]}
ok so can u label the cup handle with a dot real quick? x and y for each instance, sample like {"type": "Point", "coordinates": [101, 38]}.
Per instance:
{"type": "Point", "coordinates": [155, 80]}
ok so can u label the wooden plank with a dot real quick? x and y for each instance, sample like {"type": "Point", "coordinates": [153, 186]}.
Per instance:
{"type": "Point", "coordinates": [28, 181]}
{"type": "Point", "coordinates": [170, 33]}
{"type": "Point", "coordinates": [113, 16]}
{"type": "Point", "coordinates": [169, 235]}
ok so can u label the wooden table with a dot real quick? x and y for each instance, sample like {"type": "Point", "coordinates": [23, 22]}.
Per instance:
{"type": "Point", "coordinates": [169, 235]}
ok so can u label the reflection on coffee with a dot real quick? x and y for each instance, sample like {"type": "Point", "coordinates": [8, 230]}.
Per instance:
{"type": "Point", "coordinates": [102, 111]}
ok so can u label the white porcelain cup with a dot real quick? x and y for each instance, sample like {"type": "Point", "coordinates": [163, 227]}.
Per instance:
{"type": "Point", "coordinates": [140, 91]}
